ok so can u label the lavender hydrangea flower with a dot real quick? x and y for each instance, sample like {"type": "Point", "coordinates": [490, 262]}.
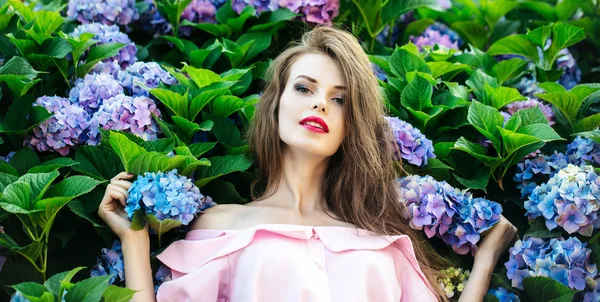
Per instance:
{"type": "Point", "coordinates": [110, 263]}
{"type": "Point", "coordinates": [437, 34]}
{"type": "Point", "coordinates": [261, 5]}
{"type": "Point", "coordinates": [584, 151]}
{"type": "Point", "coordinates": [313, 11]}
{"type": "Point", "coordinates": [125, 113]}
{"type": "Point", "coordinates": [413, 146]}
{"type": "Point", "coordinates": [163, 274]}
{"type": "Point", "coordinates": [91, 91]}
{"type": "Point", "coordinates": [570, 199]}
{"type": "Point", "coordinates": [504, 295]}
{"type": "Point", "coordinates": [200, 11]}
{"type": "Point", "coordinates": [153, 22]}
{"type": "Point", "coordinates": [65, 129]}
{"type": "Point", "coordinates": [442, 211]}
{"type": "Point", "coordinates": [149, 74]}
{"type": "Point", "coordinates": [166, 196]}
{"type": "Point", "coordinates": [107, 34]}
{"type": "Point", "coordinates": [108, 12]}
{"type": "Point", "coordinates": [566, 261]}
{"type": "Point", "coordinates": [515, 107]}
{"type": "Point", "coordinates": [572, 74]}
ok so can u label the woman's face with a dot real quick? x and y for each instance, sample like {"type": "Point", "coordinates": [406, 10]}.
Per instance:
{"type": "Point", "coordinates": [310, 109]}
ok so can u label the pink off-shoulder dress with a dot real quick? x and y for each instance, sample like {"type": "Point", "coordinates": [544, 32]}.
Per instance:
{"type": "Point", "coordinates": [281, 262]}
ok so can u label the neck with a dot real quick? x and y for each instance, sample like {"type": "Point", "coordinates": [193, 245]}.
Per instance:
{"type": "Point", "coordinates": [301, 183]}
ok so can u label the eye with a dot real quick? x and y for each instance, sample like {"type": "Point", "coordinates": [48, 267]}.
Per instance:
{"type": "Point", "coordinates": [339, 100]}
{"type": "Point", "coordinates": [302, 89]}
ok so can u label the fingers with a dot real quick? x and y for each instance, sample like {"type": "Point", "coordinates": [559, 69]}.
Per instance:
{"type": "Point", "coordinates": [122, 175]}
{"type": "Point", "coordinates": [121, 183]}
{"type": "Point", "coordinates": [117, 192]}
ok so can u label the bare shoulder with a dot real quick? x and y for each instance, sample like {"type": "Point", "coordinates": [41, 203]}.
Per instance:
{"type": "Point", "coordinates": [222, 216]}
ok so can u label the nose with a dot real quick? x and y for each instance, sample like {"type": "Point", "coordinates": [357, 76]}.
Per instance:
{"type": "Point", "coordinates": [319, 104]}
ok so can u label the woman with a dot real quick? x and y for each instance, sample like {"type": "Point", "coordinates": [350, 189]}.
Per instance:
{"type": "Point", "coordinates": [329, 226]}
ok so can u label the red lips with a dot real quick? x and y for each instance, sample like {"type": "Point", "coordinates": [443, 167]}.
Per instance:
{"type": "Point", "coordinates": [317, 120]}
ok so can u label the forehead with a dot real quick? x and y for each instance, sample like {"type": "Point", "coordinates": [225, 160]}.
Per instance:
{"type": "Point", "coordinates": [319, 67]}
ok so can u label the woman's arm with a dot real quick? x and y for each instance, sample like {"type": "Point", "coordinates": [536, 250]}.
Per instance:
{"type": "Point", "coordinates": [488, 253]}
{"type": "Point", "coordinates": [138, 274]}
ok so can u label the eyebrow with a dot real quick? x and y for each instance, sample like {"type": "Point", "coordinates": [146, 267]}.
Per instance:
{"type": "Point", "coordinates": [315, 81]}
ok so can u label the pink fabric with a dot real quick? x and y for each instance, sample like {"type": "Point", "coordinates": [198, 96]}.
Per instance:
{"type": "Point", "coordinates": [279, 262]}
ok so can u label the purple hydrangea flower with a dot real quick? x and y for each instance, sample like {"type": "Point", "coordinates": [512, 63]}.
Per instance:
{"type": "Point", "coordinates": [149, 74]}
{"type": "Point", "coordinates": [260, 5]}
{"type": "Point", "coordinates": [504, 295]}
{"type": "Point", "coordinates": [572, 74]}
{"type": "Point", "coordinates": [413, 146]}
{"type": "Point", "coordinates": [515, 107]}
{"type": "Point", "coordinates": [584, 151]}
{"type": "Point", "coordinates": [109, 12]}
{"type": "Point", "coordinates": [166, 196]}
{"type": "Point", "coordinates": [153, 22]}
{"type": "Point", "coordinates": [200, 11]}
{"type": "Point", "coordinates": [107, 34]}
{"type": "Point", "coordinates": [125, 113]}
{"type": "Point", "coordinates": [162, 275]}
{"type": "Point", "coordinates": [570, 199]}
{"type": "Point", "coordinates": [313, 11]}
{"type": "Point", "coordinates": [94, 89]}
{"type": "Point", "coordinates": [110, 263]}
{"type": "Point", "coordinates": [592, 294]}
{"type": "Point", "coordinates": [437, 34]}
{"type": "Point", "coordinates": [566, 261]}
{"type": "Point", "coordinates": [442, 211]}
{"type": "Point", "coordinates": [67, 127]}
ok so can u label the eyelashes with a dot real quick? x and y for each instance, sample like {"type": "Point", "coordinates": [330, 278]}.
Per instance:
{"type": "Point", "coordinates": [304, 90]}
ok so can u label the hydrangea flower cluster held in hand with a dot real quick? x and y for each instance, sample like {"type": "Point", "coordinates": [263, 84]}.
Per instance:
{"type": "Point", "coordinates": [443, 211]}
{"type": "Point", "coordinates": [570, 199]}
{"type": "Point", "coordinates": [166, 196]}
{"type": "Point", "coordinates": [110, 263]}
{"type": "Point", "coordinates": [566, 261]}
{"type": "Point", "coordinates": [413, 146]}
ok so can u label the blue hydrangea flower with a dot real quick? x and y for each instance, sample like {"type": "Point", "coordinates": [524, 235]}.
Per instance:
{"type": "Point", "coordinates": [66, 129]}
{"type": "Point", "coordinates": [437, 34]}
{"type": "Point", "coordinates": [566, 261]}
{"type": "Point", "coordinates": [413, 146]}
{"type": "Point", "coordinates": [166, 196]}
{"type": "Point", "coordinates": [153, 22]}
{"type": "Point", "coordinates": [110, 33]}
{"type": "Point", "coordinates": [129, 114]}
{"type": "Point", "coordinates": [445, 212]}
{"type": "Point", "coordinates": [149, 74]}
{"type": "Point", "coordinates": [572, 74]}
{"type": "Point", "coordinates": [163, 274]}
{"type": "Point", "coordinates": [570, 199]}
{"type": "Point", "coordinates": [537, 169]}
{"type": "Point", "coordinates": [8, 156]}
{"type": "Point", "coordinates": [110, 263]}
{"type": "Point", "coordinates": [91, 91]}
{"type": "Point", "coordinates": [504, 295]}
{"type": "Point", "coordinates": [583, 150]}
{"type": "Point", "coordinates": [109, 12]}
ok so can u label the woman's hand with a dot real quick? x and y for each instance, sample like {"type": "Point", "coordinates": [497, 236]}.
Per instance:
{"type": "Point", "coordinates": [111, 208]}
{"type": "Point", "coordinates": [497, 240]}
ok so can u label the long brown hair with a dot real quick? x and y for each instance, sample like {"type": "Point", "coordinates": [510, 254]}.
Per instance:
{"type": "Point", "coordinates": [360, 183]}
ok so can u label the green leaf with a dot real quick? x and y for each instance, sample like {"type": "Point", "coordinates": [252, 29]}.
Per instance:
{"type": "Point", "coordinates": [437, 169]}
{"type": "Point", "coordinates": [124, 148]}
{"type": "Point", "coordinates": [594, 135]}
{"type": "Point", "coordinates": [588, 123]}
{"type": "Point", "coordinates": [57, 282]}
{"type": "Point", "coordinates": [221, 166]}
{"type": "Point", "coordinates": [439, 69]}
{"type": "Point", "coordinates": [201, 100]}
{"type": "Point", "coordinates": [187, 129]}
{"type": "Point", "coordinates": [45, 24]}
{"type": "Point", "coordinates": [23, 10]}
{"type": "Point", "coordinates": [32, 291]}
{"type": "Point", "coordinates": [73, 186]}
{"type": "Point", "coordinates": [88, 290]}
{"type": "Point", "coordinates": [164, 145]}
{"type": "Point", "coordinates": [514, 141]}
{"type": "Point", "coordinates": [24, 159]}
{"type": "Point", "coordinates": [478, 81]}
{"type": "Point", "coordinates": [200, 148]}
{"type": "Point", "coordinates": [100, 162]}
{"type": "Point", "coordinates": [502, 96]}
{"type": "Point", "coordinates": [138, 221]}
{"type": "Point", "coordinates": [477, 151]}
{"type": "Point", "coordinates": [262, 41]}
{"type": "Point", "coordinates": [18, 75]}
{"type": "Point", "coordinates": [236, 24]}
{"type": "Point", "coordinates": [530, 116]}
{"type": "Point", "coordinates": [509, 69]}
{"type": "Point", "coordinates": [163, 226]}
{"type": "Point", "coordinates": [563, 36]}
{"type": "Point", "coordinates": [274, 17]}
{"type": "Point", "coordinates": [477, 180]}
{"type": "Point", "coordinates": [546, 289]}
{"type": "Point", "coordinates": [225, 105]}
{"type": "Point", "coordinates": [402, 62]}
{"type": "Point", "coordinates": [57, 48]}
{"type": "Point", "coordinates": [153, 162]}
{"type": "Point", "coordinates": [538, 229]}
{"type": "Point", "coordinates": [540, 35]}
{"type": "Point", "coordinates": [417, 94]}
{"type": "Point", "coordinates": [217, 30]}
{"type": "Point", "coordinates": [39, 182]}
{"type": "Point", "coordinates": [52, 165]}
{"type": "Point", "coordinates": [552, 87]}
{"type": "Point", "coordinates": [5, 180]}
{"type": "Point", "coordinates": [566, 102]}
{"type": "Point", "coordinates": [78, 208]}
{"type": "Point", "coordinates": [118, 294]}
{"type": "Point", "coordinates": [98, 53]}
{"type": "Point", "coordinates": [474, 32]}
{"type": "Point", "coordinates": [486, 120]}
{"type": "Point", "coordinates": [175, 102]}
{"type": "Point", "coordinates": [514, 45]}
{"type": "Point", "coordinates": [201, 77]}
{"type": "Point", "coordinates": [394, 8]}
{"type": "Point", "coordinates": [16, 198]}
{"type": "Point", "coordinates": [541, 131]}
